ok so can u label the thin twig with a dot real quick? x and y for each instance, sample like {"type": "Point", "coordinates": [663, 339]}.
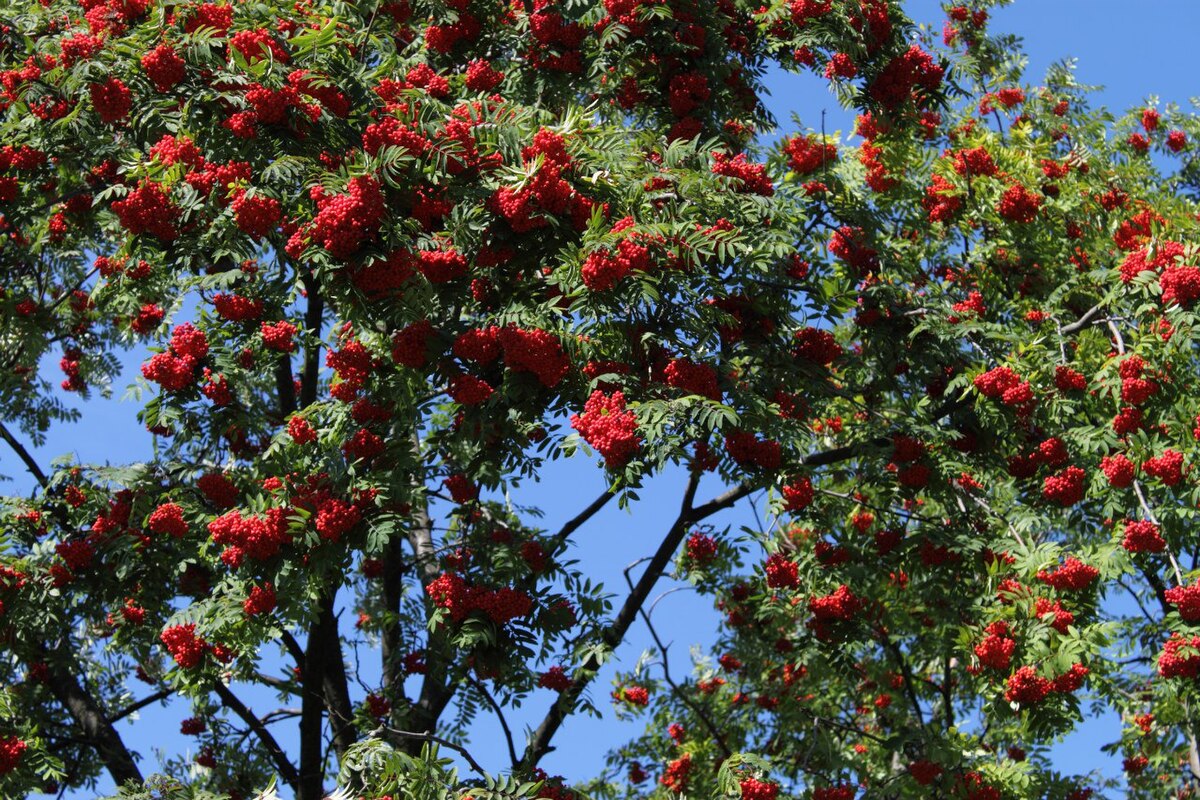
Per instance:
{"type": "Point", "coordinates": [162, 694]}
{"type": "Point", "coordinates": [508, 739]}
{"type": "Point", "coordinates": [429, 737]}
{"type": "Point", "coordinates": [713, 730]}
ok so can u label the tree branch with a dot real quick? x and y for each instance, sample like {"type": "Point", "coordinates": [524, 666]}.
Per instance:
{"type": "Point", "coordinates": [312, 708]}
{"type": "Point", "coordinates": [140, 704]}
{"type": "Point", "coordinates": [286, 770]}
{"type": "Point", "coordinates": [614, 633]}
{"type": "Point", "coordinates": [97, 729]}
{"type": "Point", "coordinates": [1083, 321]}
{"type": "Point", "coordinates": [436, 690]}
{"type": "Point", "coordinates": [312, 351]}
{"type": "Point", "coordinates": [286, 687]}
{"type": "Point", "coordinates": [392, 635]}
{"type": "Point", "coordinates": [906, 673]}
{"type": "Point", "coordinates": [285, 384]}
{"type": "Point", "coordinates": [30, 464]}
{"type": "Point", "coordinates": [512, 750]}
{"type": "Point", "coordinates": [560, 539]}
{"type": "Point", "coordinates": [429, 737]}
{"type": "Point", "coordinates": [336, 687]}
{"type": "Point", "coordinates": [713, 730]}
{"type": "Point", "coordinates": [293, 647]}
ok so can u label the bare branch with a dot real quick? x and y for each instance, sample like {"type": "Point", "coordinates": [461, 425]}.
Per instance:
{"type": "Point", "coordinates": [287, 687]}
{"type": "Point", "coordinates": [313, 315]}
{"type": "Point", "coordinates": [312, 704]}
{"type": "Point", "coordinates": [1083, 321]}
{"type": "Point", "coordinates": [30, 464]}
{"type": "Point", "coordinates": [699, 711]}
{"type": "Point", "coordinates": [336, 687]}
{"type": "Point", "coordinates": [293, 647]}
{"type": "Point", "coordinates": [614, 633]}
{"type": "Point", "coordinates": [97, 729]}
{"type": "Point", "coordinates": [572, 525]}
{"type": "Point", "coordinates": [287, 771]}
{"type": "Point", "coordinates": [512, 750]}
{"type": "Point", "coordinates": [162, 694]}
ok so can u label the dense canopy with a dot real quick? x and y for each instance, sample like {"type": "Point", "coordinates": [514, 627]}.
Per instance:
{"type": "Point", "coordinates": [390, 259]}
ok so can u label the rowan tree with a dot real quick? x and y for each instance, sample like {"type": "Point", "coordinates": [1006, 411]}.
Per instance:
{"type": "Point", "coordinates": [389, 260]}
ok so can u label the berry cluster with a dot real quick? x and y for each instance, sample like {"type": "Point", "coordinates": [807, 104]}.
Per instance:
{"type": "Point", "coordinates": [452, 593]}
{"type": "Point", "coordinates": [1073, 575]}
{"type": "Point", "coordinates": [692, 378]}
{"type": "Point", "coordinates": [1142, 536]}
{"type": "Point", "coordinates": [148, 209]}
{"type": "Point", "coordinates": [256, 215]}
{"type": "Point", "coordinates": [112, 100]}
{"type": "Point", "coordinates": [1005, 385]}
{"type": "Point", "coordinates": [1187, 600]}
{"type": "Point", "coordinates": [536, 351]}
{"type": "Point", "coordinates": [750, 178]}
{"type": "Point", "coordinates": [167, 519]}
{"type": "Point", "coordinates": [996, 649]}
{"type": "Point", "coordinates": [1066, 487]}
{"type": "Point", "coordinates": [751, 452]}
{"type": "Point", "coordinates": [164, 67]}
{"type": "Point", "coordinates": [807, 154]}
{"type": "Point", "coordinates": [261, 600]}
{"type": "Point", "coordinates": [781, 572]}
{"type": "Point", "coordinates": [608, 427]}
{"type": "Point", "coordinates": [335, 518]}
{"type": "Point", "coordinates": [12, 749]}
{"type": "Point", "coordinates": [257, 538]}
{"type": "Point", "coordinates": [816, 345]}
{"type": "Point", "coordinates": [345, 222]}
{"type": "Point", "coordinates": [184, 645]}
{"type": "Point", "coordinates": [175, 370]}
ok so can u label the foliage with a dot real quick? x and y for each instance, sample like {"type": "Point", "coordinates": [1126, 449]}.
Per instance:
{"type": "Point", "coordinates": [394, 258]}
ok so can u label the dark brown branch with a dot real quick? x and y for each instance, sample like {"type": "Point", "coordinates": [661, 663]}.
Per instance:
{"type": "Point", "coordinates": [69, 293]}
{"type": "Point", "coordinates": [906, 674]}
{"type": "Point", "coordinates": [436, 688]}
{"type": "Point", "coordinates": [284, 686]}
{"type": "Point", "coordinates": [30, 464]}
{"type": "Point", "coordinates": [429, 737]}
{"type": "Point", "coordinates": [97, 729]}
{"type": "Point", "coordinates": [1083, 321]}
{"type": "Point", "coordinates": [614, 633]}
{"type": "Point", "coordinates": [285, 384]}
{"type": "Point", "coordinates": [64, 198]}
{"type": "Point", "coordinates": [1156, 583]}
{"type": "Point", "coordinates": [392, 635]}
{"type": "Point", "coordinates": [336, 688]}
{"type": "Point", "coordinates": [948, 692]}
{"type": "Point", "coordinates": [719, 503]}
{"type": "Point", "coordinates": [508, 739]}
{"type": "Point", "coordinates": [293, 647]}
{"type": "Point", "coordinates": [162, 694]}
{"type": "Point", "coordinates": [286, 770]}
{"type": "Point", "coordinates": [312, 351]}
{"type": "Point", "coordinates": [280, 713]}
{"type": "Point", "coordinates": [560, 539]}
{"type": "Point", "coordinates": [311, 784]}
{"type": "Point", "coordinates": [696, 708]}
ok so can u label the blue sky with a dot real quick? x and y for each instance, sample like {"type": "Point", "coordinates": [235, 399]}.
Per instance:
{"type": "Point", "coordinates": [1133, 51]}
